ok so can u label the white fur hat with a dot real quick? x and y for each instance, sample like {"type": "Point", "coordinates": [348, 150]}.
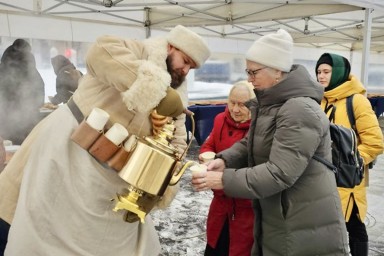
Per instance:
{"type": "Point", "coordinates": [190, 43]}
{"type": "Point", "coordinates": [273, 50]}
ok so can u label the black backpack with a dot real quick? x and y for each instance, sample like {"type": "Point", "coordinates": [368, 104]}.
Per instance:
{"type": "Point", "coordinates": [347, 163]}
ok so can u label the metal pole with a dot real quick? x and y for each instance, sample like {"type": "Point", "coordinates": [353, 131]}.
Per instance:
{"type": "Point", "coordinates": [366, 46]}
{"type": "Point", "coordinates": [147, 23]}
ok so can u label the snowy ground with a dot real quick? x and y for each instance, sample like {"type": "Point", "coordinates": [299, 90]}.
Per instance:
{"type": "Point", "coordinates": [182, 226]}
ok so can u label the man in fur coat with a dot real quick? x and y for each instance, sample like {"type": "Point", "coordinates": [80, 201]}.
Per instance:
{"type": "Point", "coordinates": [63, 206]}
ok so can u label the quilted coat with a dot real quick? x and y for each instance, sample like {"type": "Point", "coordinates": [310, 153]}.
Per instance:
{"type": "Point", "coordinates": [296, 203]}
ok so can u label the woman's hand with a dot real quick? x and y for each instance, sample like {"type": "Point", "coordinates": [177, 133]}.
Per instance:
{"type": "Point", "coordinates": [201, 161]}
{"type": "Point", "coordinates": [207, 180]}
{"type": "Point", "coordinates": [211, 179]}
{"type": "Point", "coordinates": [217, 165]}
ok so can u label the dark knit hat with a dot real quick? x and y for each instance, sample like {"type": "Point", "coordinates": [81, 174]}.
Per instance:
{"type": "Point", "coordinates": [341, 69]}
{"type": "Point", "coordinates": [324, 59]}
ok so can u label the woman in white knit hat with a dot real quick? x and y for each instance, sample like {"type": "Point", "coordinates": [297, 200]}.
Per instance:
{"type": "Point", "coordinates": [296, 203]}
{"type": "Point", "coordinates": [63, 194]}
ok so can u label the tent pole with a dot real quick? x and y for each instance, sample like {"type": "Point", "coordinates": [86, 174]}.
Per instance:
{"type": "Point", "coordinates": [366, 46]}
{"type": "Point", "coordinates": [147, 23]}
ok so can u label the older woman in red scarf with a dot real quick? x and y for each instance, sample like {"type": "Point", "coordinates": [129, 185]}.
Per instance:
{"type": "Point", "coordinates": [230, 220]}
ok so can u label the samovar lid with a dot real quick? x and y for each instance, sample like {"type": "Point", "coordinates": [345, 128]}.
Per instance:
{"type": "Point", "coordinates": [167, 148]}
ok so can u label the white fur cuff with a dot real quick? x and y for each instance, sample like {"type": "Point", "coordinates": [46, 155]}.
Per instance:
{"type": "Point", "coordinates": [148, 89]}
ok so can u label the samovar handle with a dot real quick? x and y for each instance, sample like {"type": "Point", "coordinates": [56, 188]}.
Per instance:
{"type": "Point", "coordinates": [190, 114]}
{"type": "Point", "coordinates": [176, 178]}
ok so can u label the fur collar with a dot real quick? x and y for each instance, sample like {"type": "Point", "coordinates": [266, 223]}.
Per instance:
{"type": "Point", "coordinates": [152, 80]}
{"type": "Point", "coordinates": [157, 49]}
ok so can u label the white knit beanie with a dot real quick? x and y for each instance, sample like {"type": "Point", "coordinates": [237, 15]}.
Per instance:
{"type": "Point", "coordinates": [190, 43]}
{"type": "Point", "coordinates": [273, 50]}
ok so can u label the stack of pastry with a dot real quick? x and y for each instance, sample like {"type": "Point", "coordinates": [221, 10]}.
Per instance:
{"type": "Point", "coordinates": [158, 122]}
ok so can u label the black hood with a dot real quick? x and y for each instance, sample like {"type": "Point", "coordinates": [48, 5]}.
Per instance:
{"type": "Point", "coordinates": [59, 61]}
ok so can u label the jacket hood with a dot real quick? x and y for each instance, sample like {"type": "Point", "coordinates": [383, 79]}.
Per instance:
{"type": "Point", "coordinates": [298, 83]}
{"type": "Point", "coordinates": [19, 56]}
{"type": "Point", "coordinates": [341, 69]}
{"type": "Point", "coordinates": [351, 86]}
{"type": "Point", "coordinates": [59, 61]}
{"type": "Point", "coordinates": [20, 47]}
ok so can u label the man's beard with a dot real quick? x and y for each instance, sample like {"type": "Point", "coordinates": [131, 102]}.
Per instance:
{"type": "Point", "coordinates": [177, 78]}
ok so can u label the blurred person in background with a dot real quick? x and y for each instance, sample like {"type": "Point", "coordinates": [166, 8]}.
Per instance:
{"type": "Point", "coordinates": [2, 154]}
{"type": "Point", "coordinates": [294, 197]}
{"type": "Point", "coordinates": [4, 227]}
{"type": "Point", "coordinates": [67, 77]}
{"type": "Point", "coordinates": [333, 72]}
{"type": "Point", "coordinates": [21, 92]}
{"type": "Point", "coordinates": [230, 220]}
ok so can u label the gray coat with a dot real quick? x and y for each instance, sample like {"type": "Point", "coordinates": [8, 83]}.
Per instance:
{"type": "Point", "coordinates": [295, 199]}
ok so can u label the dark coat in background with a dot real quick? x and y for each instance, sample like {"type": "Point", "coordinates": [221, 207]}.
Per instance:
{"type": "Point", "coordinates": [21, 92]}
{"type": "Point", "coordinates": [67, 78]}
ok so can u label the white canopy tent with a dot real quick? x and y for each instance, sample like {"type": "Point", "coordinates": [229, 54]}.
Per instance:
{"type": "Point", "coordinates": [227, 24]}
{"type": "Point", "coordinates": [316, 23]}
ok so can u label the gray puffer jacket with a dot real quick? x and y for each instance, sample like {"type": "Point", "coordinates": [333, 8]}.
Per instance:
{"type": "Point", "coordinates": [295, 199]}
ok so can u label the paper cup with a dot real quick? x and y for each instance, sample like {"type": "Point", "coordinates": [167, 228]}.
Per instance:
{"type": "Point", "coordinates": [208, 156]}
{"type": "Point", "coordinates": [7, 143]}
{"type": "Point", "coordinates": [197, 168]}
{"type": "Point", "coordinates": [130, 143]}
{"type": "Point", "coordinates": [117, 134]}
{"type": "Point", "coordinates": [97, 119]}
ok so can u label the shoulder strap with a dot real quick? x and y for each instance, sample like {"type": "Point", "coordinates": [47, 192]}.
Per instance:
{"type": "Point", "coordinates": [333, 110]}
{"type": "Point", "coordinates": [350, 113]}
{"type": "Point", "coordinates": [329, 165]}
{"type": "Point", "coordinates": [75, 110]}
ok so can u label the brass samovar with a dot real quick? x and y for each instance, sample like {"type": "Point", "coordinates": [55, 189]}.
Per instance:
{"type": "Point", "coordinates": [153, 165]}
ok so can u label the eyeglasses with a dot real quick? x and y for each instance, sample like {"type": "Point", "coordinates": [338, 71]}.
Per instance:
{"type": "Point", "coordinates": [253, 73]}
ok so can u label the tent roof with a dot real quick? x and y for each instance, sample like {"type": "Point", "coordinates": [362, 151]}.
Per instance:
{"type": "Point", "coordinates": [327, 23]}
